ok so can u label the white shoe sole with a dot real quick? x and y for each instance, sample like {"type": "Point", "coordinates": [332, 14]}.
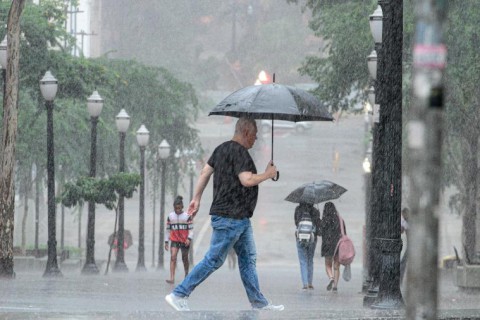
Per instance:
{"type": "Point", "coordinates": [171, 303]}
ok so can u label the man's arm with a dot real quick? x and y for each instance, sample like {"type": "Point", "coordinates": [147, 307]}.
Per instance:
{"type": "Point", "coordinates": [205, 174]}
{"type": "Point", "coordinates": [249, 179]}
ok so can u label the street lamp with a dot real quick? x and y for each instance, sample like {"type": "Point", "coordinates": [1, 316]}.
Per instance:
{"type": "Point", "coordinates": [191, 169]}
{"type": "Point", "coordinates": [48, 88]}
{"type": "Point", "coordinates": [142, 140]}
{"type": "Point", "coordinates": [176, 166]}
{"type": "Point", "coordinates": [376, 25]}
{"type": "Point", "coordinates": [94, 107]}
{"type": "Point", "coordinates": [163, 154]}
{"type": "Point", "coordinates": [387, 156]}
{"type": "Point", "coordinates": [372, 207]}
{"type": "Point", "coordinates": [3, 61]}
{"type": "Point", "coordinates": [122, 120]}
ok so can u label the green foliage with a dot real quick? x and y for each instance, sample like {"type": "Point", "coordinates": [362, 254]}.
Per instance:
{"type": "Point", "coordinates": [341, 70]}
{"type": "Point", "coordinates": [151, 96]}
{"type": "Point", "coordinates": [101, 191]}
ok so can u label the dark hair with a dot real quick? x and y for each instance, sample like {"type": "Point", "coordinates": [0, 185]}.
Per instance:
{"type": "Point", "coordinates": [178, 201]}
{"type": "Point", "coordinates": [329, 209]}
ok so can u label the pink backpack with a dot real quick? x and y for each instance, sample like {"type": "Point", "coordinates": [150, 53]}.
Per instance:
{"type": "Point", "coordinates": [346, 250]}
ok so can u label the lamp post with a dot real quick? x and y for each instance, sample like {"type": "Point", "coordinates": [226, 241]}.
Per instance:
{"type": "Point", "coordinates": [142, 140]}
{"type": "Point", "coordinates": [372, 216]}
{"type": "Point", "coordinates": [3, 61]}
{"type": "Point", "coordinates": [386, 237]}
{"type": "Point", "coordinates": [177, 156]}
{"type": "Point", "coordinates": [191, 169]}
{"type": "Point", "coordinates": [122, 120]}
{"type": "Point", "coordinates": [94, 107]}
{"type": "Point", "coordinates": [48, 88]}
{"type": "Point", "coordinates": [163, 154]}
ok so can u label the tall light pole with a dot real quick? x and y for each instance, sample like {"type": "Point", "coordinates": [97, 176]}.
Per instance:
{"type": "Point", "coordinates": [387, 239]}
{"type": "Point", "coordinates": [48, 88]}
{"type": "Point", "coordinates": [163, 154]}
{"type": "Point", "coordinates": [122, 121]}
{"type": "Point", "coordinates": [191, 169]}
{"type": "Point", "coordinates": [142, 140]}
{"type": "Point", "coordinates": [94, 107]}
{"type": "Point", "coordinates": [177, 156]}
{"type": "Point", "coordinates": [3, 62]}
{"type": "Point", "coordinates": [376, 28]}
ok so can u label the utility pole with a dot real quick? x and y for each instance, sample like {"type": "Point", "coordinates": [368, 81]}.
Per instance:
{"type": "Point", "coordinates": [83, 34]}
{"type": "Point", "coordinates": [425, 129]}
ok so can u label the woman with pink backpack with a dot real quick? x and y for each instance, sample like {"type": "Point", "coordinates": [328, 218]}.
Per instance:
{"type": "Point", "coordinates": [331, 234]}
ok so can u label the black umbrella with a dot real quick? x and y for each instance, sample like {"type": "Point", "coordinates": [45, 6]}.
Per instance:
{"type": "Point", "coordinates": [316, 192]}
{"type": "Point", "coordinates": [273, 101]}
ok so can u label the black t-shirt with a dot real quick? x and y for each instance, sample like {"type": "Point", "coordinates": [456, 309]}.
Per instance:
{"type": "Point", "coordinates": [230, 197]}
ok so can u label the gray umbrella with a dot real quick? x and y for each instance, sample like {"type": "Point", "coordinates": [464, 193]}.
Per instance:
{"type": "Point", "coordinates": [316, 192]}
{"type": "Point", "coordinates": [273, 101]}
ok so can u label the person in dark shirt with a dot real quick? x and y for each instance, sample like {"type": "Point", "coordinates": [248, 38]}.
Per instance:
{"type": "Point", "coordinates": [331, 233]}
{"type": "Point", "coordinates": [235, 192]}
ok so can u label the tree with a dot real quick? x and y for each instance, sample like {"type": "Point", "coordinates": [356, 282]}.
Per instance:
{"type": "Point", "coordinates": [340, 68]}
{"type": "Point", "coordinates": [462, 100]}
{"type": "Point", "coordinates": [101, 191]}
{"type": "Point", "coordinates": [152, 96]}
{"type": "Point", "coordinates": [7, 152]}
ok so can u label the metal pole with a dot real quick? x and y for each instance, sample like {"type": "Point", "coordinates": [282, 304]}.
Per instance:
{"type": "Point", "coordinates": [387, 240]}
{"type": "Point", "coordinates": [425, 129]}
{"type": "Point", "coordinates": [154, 202]}
{"type": "Point", "coordinates": [90, 267]}
{"type": "Point", "coordinates": [141, 227]}
{"type": "Point", "coordinates": [190, 252]}
{"type": "Point", "coordinates": [120, 262]}
{"type": "Point", "coordinates": [160, 264]}
{"type": "Point", "coordinates": [52, 269]}
{"type": "Point", "coordinates": [373, 216]}
{"type": "Point", "coordinates": [62, 228]}
{"type": "Point", "coordinates": [234, 28]}
{"type": "Point", "coordinates": [37, 212]}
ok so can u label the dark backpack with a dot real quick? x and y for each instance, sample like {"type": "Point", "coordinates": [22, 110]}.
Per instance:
{"type": "Point", "coordinates": [305, 229]}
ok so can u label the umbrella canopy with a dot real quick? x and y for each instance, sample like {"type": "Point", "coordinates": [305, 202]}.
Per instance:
{"type": "Point", "coordinates": [273, 101]}
{"type": "Point", "coordinates": [127, 238]}
{"type": "Point", "coordinates": [316, 192]}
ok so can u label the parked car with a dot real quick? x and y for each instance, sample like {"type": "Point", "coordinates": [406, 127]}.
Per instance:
{"type": "Point", "coordinates": [301, 126]}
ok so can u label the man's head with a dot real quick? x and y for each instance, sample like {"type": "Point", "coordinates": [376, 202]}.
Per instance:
{"type": "Point", "coordinates": [245, 132]}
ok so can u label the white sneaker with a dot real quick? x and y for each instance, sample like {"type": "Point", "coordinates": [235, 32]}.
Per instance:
{"type": "Point", "coordinates": [271, 307]}
{"type": "Point", "coordinates": [177, 303]}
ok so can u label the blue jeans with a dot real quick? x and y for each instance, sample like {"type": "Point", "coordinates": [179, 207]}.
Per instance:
{"type": "Point", "coordinates": [228, 233]}
{"type": "Point", "coordinates": [305, 256]}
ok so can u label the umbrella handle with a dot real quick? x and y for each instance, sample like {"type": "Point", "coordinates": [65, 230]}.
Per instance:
{"type": "Point", "coordinates": [277, 177]}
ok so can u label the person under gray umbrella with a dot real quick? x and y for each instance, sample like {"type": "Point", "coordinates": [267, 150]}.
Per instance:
{"type": "Point", "coordinates": [307, 222]}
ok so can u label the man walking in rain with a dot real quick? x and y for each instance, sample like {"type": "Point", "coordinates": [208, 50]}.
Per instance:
{"type": "Point", "coordinates": [235, 193]}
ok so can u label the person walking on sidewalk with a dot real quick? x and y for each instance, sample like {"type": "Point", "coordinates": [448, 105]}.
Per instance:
{"type": "Point", "coordinates": [235, 193]}
{"type": "Point", "coordinates": [179, 233]}
{"type": "Point", "coordinates": [306, 214]}
{"type": "Point", "coordinates": [331, 233]}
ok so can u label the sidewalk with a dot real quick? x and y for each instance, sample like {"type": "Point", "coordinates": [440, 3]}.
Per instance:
{"type": "Point", "coordinates": [140, 295]}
